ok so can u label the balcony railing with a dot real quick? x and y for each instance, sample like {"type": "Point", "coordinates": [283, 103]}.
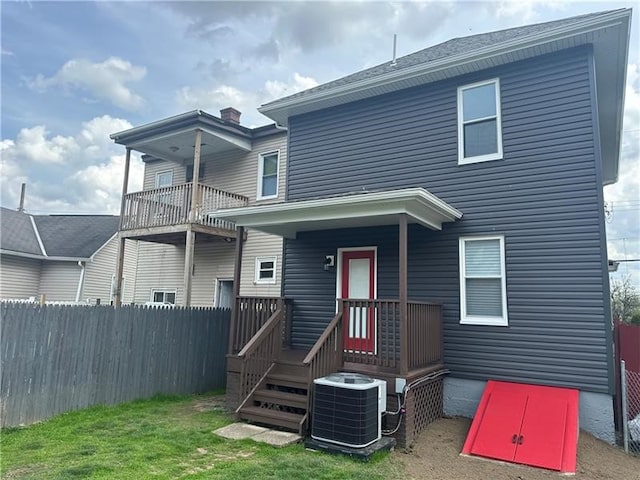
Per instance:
{"type": "Point", "coordinates": [169, 206]}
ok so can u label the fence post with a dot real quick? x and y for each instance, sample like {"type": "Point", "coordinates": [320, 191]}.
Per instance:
{"type": "Point", "coordinates": [623, 388]}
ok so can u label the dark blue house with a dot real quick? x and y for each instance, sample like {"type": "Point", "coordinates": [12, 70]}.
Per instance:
{"type": "Point", "coordinates": [444, 226]}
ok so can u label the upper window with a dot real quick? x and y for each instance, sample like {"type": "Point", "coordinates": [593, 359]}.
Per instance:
{"type": "Point", "coordinates": [479, 125]}
{"type": "Point", "coordinates": [268, 175]}
{"type": "Point", "coordinates": [189, 173]}
{"type": "Point", "coordinates": [483, 298]}
{"type": "Point", "coordinates": [266, 270]}
{"type": "Point", "coordinates": [164, 179]}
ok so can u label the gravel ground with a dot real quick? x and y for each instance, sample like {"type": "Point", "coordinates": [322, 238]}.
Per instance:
{"type": "Point", "coordinates": [436, 456]}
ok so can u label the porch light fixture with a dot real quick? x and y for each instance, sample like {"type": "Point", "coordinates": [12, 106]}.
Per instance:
{"type": "Point", "coordinates": [329, 261]}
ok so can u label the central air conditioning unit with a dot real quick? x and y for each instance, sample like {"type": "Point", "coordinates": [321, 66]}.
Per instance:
{"type": "Point", "coordinates": [347, 409]}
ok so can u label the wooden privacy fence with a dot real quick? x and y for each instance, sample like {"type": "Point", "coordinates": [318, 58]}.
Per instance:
{"type": "Point", "coordinates": [57, 358]}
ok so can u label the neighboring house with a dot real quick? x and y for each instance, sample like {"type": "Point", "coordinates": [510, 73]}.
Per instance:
{"type": "Point", "coordinates": [469, 175]}
{"type": "Point", "coordinates": [66, 258]}
{"type": "Point", "coordinates": [185, 256]}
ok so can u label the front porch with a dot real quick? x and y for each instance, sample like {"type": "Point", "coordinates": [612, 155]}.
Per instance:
{"type": "Point", "coordinates": [346, 308]}
{"type": "Point", "coordinates": [271, 382]}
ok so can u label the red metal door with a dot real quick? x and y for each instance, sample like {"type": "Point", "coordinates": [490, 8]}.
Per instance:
{"type": "Point", "coordinates": [358, 282]}
{"type": "Point", "coordinates": [501, 418]}
{"type": "Point", "coordinates": [541, 440]}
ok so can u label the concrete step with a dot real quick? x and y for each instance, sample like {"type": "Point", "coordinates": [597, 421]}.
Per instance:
{"type": "Point", "coordinates": [274, 418]}
{"type": "Point", "coordinates": [278, 397]}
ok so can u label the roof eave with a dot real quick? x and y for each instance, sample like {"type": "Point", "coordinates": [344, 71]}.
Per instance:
{"type": "Point", "coordinates": [278, 109]}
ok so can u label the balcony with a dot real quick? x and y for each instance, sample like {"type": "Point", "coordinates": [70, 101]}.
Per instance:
{"type": "Point", "coordinates": [163, 214]}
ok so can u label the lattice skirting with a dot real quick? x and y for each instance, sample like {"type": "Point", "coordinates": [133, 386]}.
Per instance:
{"type": "Point", "coordinates": [423, 405]}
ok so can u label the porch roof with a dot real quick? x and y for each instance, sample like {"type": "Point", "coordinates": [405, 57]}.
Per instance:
{"type": "Point", "coordinates": [347, 211]}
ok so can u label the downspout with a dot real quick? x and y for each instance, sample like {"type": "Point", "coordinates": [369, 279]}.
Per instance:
{"type": "Point", "coordinates": [81, 281]}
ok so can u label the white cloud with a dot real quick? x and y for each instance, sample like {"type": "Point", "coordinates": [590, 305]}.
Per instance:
{"type": "Point", "coordinates": [214, 98]}
{"type": "Point", "coordinates": [107, 80]}
{"type": "Point", "coordinates": [276, 89]}
{"type": "Point", "coordinates": [527, 10]}
{"type": "Point", "coordinates": [6, 52]}
{"type": "Point", "coordinates": [81, 173]}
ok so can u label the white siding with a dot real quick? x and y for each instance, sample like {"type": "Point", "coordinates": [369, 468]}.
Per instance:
{"type": "Point", "coordinates": [19, 277]}
{"type": "Point", "coordinates": [159, 266]}
{"type": "Point", "coordinates": [100, 271]}
{"type": "Point", "coordinates": [260, 244]}
{"type": "Point", "coordinates": [59, 280]}
{"type": "Point", "coordinates": [162, 266]}
{"type": "Point", "coordinates": [232, 171]}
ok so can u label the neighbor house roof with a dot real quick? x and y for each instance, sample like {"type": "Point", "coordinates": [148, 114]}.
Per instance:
{"type": "Point", "coordinates": [608, 32]}
{"type": "Point", "coordinates": [55, 237]}
{"type": "Point", "coordinates": [17, 233]}
{"type": "Point", "coordinates": [75, 235]}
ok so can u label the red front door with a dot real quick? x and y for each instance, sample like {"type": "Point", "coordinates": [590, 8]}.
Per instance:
{"type": "Point", "coordinates": [358, 278]}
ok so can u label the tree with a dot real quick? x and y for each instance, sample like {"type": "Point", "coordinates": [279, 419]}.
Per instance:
{"type": "Point", "coordinates": [625, 300]}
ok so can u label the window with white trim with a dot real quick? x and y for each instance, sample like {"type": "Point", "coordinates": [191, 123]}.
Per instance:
{"type": "Point", "coordinates": [265, 270]}
{"type": "Point", "coordinates": [164, 179]}
{"type": "Point", "coordinates": [483, 299]}
{"type": "Point", "coordinates": [479, 122]}
{"type": "Point", "coordinates": [268, 167]}
{"type": "Point", "coordinates": [166, 297]}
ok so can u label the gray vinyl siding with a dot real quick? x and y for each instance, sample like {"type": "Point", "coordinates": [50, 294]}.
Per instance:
{"type": "Point", "coordinates": [102, 268]}
{"type": "Point", "coordinates": [544, 197]}
{"type": "Point", "coordinates": [19, 277]}
{"type": "Point", "coordinates": [59, 280]}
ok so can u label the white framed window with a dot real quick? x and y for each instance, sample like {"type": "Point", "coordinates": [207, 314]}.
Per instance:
{"type": "Point", "coordinates": [265, 270]}
{"type": "Point", "coordinates": [479, 122]}
{"type": "Point", "coordinates": [268, 170]}
{"type": "Point", "coordinates": [165, 297]}
{"type": "Point", "coordinates": [483, 296]}
{"type": "Point", "coordinates": [164, 179]}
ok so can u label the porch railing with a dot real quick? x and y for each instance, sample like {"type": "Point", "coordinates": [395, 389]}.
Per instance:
{"type": "Point", "coordinates": [424, 333]}
{"type": "Point", "coordinates": [167, 206]}
{"type": "Point", "coordinates": [260, 352]}
{"type": "Point", "coordinates": [251, 313]}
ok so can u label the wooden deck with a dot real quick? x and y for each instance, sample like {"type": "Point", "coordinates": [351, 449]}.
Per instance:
{"type": "Point", "coordinates": [271, 384]}
{"type": "Point", "coordinates": [165, 213]}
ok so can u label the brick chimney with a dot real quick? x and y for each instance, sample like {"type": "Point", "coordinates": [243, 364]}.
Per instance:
{"type": "Point", "coordinates": [230, 114]}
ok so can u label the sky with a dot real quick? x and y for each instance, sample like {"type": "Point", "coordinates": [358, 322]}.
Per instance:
{"type": "Point", "coordinates": [75, 72]}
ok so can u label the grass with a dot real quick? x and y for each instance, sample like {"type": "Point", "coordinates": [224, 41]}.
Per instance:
{"type": "Point", "coordinates": [165, 438]}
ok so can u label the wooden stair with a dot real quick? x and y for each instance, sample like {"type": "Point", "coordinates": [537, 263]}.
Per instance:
{"type": "Point", "coordinates": [280, 400]}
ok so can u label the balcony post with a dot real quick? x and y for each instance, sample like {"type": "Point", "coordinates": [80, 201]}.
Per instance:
{"type": "Point", "coordinates": [402, 286]}
{"type": "Point", "coordinates": [117, 298]}
{"type": "Point", "coordinates": [188, 265]}
{"type": "Point", "coordinates": [237, 266]}
{"type": "Point", "coordinates": [195, 190]}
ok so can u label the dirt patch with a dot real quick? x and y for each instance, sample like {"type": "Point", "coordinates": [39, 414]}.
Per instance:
{"type": "Point", "coordinates": [436, 456]}
{"type": "Point", "coordinates": [211, 404]}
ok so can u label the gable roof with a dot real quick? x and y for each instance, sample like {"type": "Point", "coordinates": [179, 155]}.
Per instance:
{"type": "Point", "coordinates": [608, 32]}
{"type": "Point", "coordinates": [75, 235]}
{"type": "Point", "coordinates": [17, 233]}
{"type": "Point", "coordinates": [64, 237]}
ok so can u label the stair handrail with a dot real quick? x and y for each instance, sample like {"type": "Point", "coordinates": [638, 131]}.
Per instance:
{"type": "Point", "coordinates": [260, 352]}
{"type": "Point", "coordinates": [325, 356]}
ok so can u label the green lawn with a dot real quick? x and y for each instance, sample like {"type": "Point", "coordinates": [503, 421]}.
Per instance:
{"type": "Point", "coordinates": [165, 437]}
